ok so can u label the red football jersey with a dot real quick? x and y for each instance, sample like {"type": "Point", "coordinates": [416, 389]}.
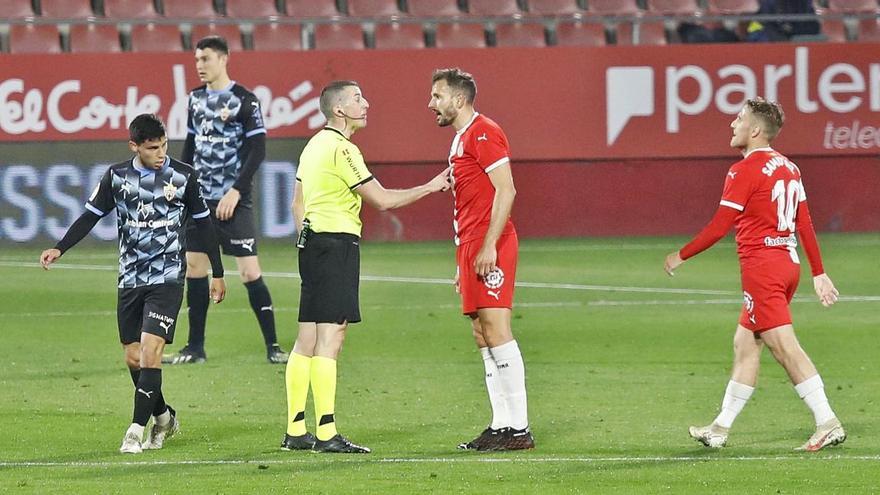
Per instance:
{"type": "Point", "coordinates": [766, 188]}
{"type": "Point", "coordinates": [477, 149]}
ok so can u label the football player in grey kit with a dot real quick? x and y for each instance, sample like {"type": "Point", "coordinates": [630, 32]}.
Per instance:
{"type": "Point", "coordinates": [226, 143]}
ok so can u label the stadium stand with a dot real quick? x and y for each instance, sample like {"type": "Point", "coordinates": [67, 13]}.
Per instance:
{"type": "Point", "coordinates": [251, 9]}
{"type": "Point", "coordinates": [373, 8]}
{"type": "Point", "coordinates": [834, 30]}
{"type": "Point", "coordinates": [338, 36]}
{"type": "Point", "coordinates": [155, 38]}
{"type": "Point", "coordinates": [228, 31]}
{"type": "Point", "coordinates": [277, 37]}
{"type": "Point", "coordinates": [130, 9]}
{"type": "Point", "coordinates": [460, 35]}
{"type": "Point", "coordinates": [852, 6]}
{"type": "Point", "coordinates": [94, 38]}
{"type": "Point", "coordinates": [399, 35]}
{"type": "Point", "coordinates": [641, 33]}
{"type": "Point", "coordinates": [493, 7]}
{"type": "Point", "coordinates": [869, 30]}
{"type": "Point", "coordinates": [520, 34]}
{"type": "Point", "coordinates": [555, 7]}
{"type": "Point", "coordinates": [733, 6]}
{"type": "Point", "coordinates": [674, 7]}
{"type": "Point", "coordinates": [578, 33]}
{"type": "Point", "coordinates": [189, 9]}
{"type": "Point", "coordinates": [613, 7]}
{"type": "Point", "coordinates": [66, 9]}
{"type": "Point", "coordinates": [311, 8]}
{"type": "Point", "coordinates": [16, 9]}
{"type": "Point", "coordinates": [434, 8]}
{"type": "Point", "coordinates": [31, 38]}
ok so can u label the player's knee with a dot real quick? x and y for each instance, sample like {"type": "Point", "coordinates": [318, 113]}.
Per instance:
{"type": "Point", "coordinates": [249, 274]}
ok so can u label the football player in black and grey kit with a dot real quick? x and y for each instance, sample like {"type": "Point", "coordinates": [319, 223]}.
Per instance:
{"type": "Point", "coordinates": [152, 195]}
{"type": "Point", "coordinates": [226, 143]}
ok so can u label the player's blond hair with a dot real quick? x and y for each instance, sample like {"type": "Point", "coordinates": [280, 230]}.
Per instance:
{"type": "Point", "coordinates": [770, 115]}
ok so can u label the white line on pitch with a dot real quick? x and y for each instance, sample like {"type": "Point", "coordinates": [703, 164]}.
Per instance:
{"type": "Point", "coordinates": [465, 459]}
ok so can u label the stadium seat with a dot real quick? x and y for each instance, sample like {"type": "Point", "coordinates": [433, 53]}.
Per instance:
{"type": "Point", "coordinates": [493, 7]}
{"type": "Point", "coordinates": [66, 9]}
{"type": "Point", "coordinates": [373, 8]}
{"type": "Point", "coordinates": [554, 7]}
{"type": "Point", "coordinates": [16, 9]}
{"type": "Point", "coordinates": [155, 38]}
{"type": "Point", "coordinates": [460, 35]}
{"type": "Point", "coordinates": [339, 36]}
{"type": "Point", "coordinates": [396, 35]}
{"type": "Point", "coordinates": [30, 38]}
{"type": "Point", "coordinates": [311, 8]}
{"type": "Point", "coordinates": [834, 30]}
{"type": "Point", "coordinates": [641, 33]}
{"type": "Point", "coordinates": [189, 9]}
{"type": "Point", "coordinates": [852, 5]}
{"type": "Point", "coordinates": [94, 38]}
{"type": "Point", "coordinates": [435, 8]}
{"type": "Point", "coordinates": [252, 9]}
{"type": "Point", "coordinates": [612, 7]}
{"type": "Point", "coordinates": [869, 30]}
{"type": "Point", "coordinates": [130, 9]}
{"type": "Point", "coordinates": [577, 33]}
{"type": "Point", "coordinates": [673, 7]}
{"type": "Point", "coordinates": [277, 37]}
{"type": "Point", "coordinates": [733, 6]}
{"type": "Point", "coordinates": [228, 31]}
{"type": "Point", "coordinates": [520, 34]}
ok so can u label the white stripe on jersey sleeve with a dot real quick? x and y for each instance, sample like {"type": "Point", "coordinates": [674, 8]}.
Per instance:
{"type": "Point", "coordinates": [802, 192]}
{"type": "Point", "coordinates": [94, 210]}
{"type": "Point", "coordinates": [261, 130]}
{"type": "Point", "coordinates": [732, 205]}
{"type": "Point", "coordinates": [202, 214]}
{"type": "Point", "coordinates": [497, 164]}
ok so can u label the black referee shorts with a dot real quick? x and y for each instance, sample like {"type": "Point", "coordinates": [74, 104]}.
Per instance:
{"type": "Point", "coordinates": [152, 309]}
{"type": "Point", "coordinates": [237, 236]}
{"type": "Point", "coordinates": [330, 268]}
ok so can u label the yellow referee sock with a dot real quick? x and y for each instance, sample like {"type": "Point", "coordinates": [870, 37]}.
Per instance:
{"type": "Point", "coordinates": [324, 395]}
{"type": "Point", "coordinates": [296, 377]}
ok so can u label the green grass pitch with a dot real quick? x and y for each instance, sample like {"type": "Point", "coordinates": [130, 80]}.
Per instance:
{"type": "Point", "coordinates": [620, 359]}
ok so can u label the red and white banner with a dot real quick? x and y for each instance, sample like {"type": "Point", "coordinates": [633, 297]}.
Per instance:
{"type": "Point", "coordinates": [554, 103]}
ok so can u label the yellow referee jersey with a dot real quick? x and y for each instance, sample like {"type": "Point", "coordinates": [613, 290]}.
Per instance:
{"type": "Point", "coordinates": [329, 170]}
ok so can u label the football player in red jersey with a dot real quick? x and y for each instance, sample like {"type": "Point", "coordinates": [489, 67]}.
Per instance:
{"type": "Point", "coordinates": [486, 254]}
{"type": "Point", "coordinates": [764, 199]}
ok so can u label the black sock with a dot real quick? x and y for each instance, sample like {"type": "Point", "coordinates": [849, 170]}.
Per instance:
{"type": "Point", "coordinates": [146, 392]}
{"type": "Point", "coordinates": [198, 300]}
{"type": "Point", "coordinates": [160, 406]}
{"type": "Point", "coordinates": [261, 303]}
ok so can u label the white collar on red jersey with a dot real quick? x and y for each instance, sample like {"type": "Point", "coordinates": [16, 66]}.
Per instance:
{"type": "Point", "coordinates": [758, 149]}
{"type": "Point", "coordinates": [461, 131]}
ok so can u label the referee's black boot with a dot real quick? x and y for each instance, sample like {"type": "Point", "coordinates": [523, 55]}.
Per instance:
{"type": "Point", "coordinates": [298, 442]}
{"type": "Point", "coordinates": [338, 444]}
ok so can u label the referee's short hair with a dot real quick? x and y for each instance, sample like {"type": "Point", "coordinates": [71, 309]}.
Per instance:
{"type": "Point", "coordinates": [458, 80]}
{"type": "Point", "coordinates": [146, 127]}
{"type": "Point", "coordinates": [331, 94]}
{"type": "Point", "coordinates": [214, 42]}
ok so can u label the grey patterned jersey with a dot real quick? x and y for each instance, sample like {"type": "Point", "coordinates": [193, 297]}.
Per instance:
{"type": "Point", "coordinates": [151, 208]}
{"type": "Point", "coordinates": [221, 120]}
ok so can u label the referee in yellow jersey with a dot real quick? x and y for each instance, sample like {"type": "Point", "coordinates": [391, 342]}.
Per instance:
{"type": "Point", "coordinates": [331, 182]}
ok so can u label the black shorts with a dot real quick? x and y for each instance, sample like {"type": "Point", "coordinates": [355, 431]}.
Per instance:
{"type": "Point", "coordinates": [330, 267]}
{"type": "Point", "coordinates": [237, 236]}
{"type": "Point", "coordinates": [152, 309]}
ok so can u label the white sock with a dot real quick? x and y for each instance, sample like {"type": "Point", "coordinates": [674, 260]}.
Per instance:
{"type": "Point", "coordinates": [164, 418]}
{"type": "Point", "coordinates": [512, 375]}
{"type": "Point", "coordinates": [735, 398]}
{"type": "Point", "coordinates": [500, 416]}
{"type": "Point", "coordinates": [136, 429]}
{"type": "Point", "coordinates": [812, 391]}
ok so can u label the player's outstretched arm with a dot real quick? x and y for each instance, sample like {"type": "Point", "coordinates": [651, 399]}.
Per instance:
{"type": "Point", "coordinates": [388, 199]}
{"type": "Point", "coordinates": [825, 290]}
{"type": "Point", "coordinates": [80, 228]}
{"type": "Point", "coordinates": [717, 228]}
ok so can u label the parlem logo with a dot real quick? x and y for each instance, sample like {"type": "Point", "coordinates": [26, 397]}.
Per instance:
{"type": "Point", "coordinates": [629, 93]}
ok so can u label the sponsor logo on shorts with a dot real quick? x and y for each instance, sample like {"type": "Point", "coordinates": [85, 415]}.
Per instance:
{"type": "Point", "coordinates": [164, 321]}
{"type": "Point", "coordinates": [247, 244]}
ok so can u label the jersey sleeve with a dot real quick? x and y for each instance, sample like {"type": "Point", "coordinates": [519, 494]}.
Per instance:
{"type": "Point", "coordinates": [100, 202]}
{"type": "Point", "coordinates": [192, 197]}
{"type": "Point", "coordinates": [491, 148]}
{"type": "Point", "coordinates": [252, 116]}
{"type": "Point", "coordinates": [738, 188]}
{"type": "Point", "coordinates": [190, 124]}
{"type": "Point", "coordinates": [351, 167]}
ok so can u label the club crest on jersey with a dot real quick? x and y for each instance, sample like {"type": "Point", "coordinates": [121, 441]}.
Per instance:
{"type": "Point", "coordinates": [170, 191]}
{"type": "Point", "coordinates": [460, 150]}
{"type": "Point", "coordinates": [224, 113]}
{"type": "Point", "coordinates": [494, 279]}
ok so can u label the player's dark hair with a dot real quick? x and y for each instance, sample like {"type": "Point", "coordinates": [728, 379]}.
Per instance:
{"type": "Point", "coordinates": [214, 42]}
{"type": "Point", "coordinates": [769, 113]}
{"type": "Point", "coordinates": [146, 127]}
{"type": "Point", "coordinates": [330, 96]}
{"type": "Point", "coordinates": [458, 80]}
